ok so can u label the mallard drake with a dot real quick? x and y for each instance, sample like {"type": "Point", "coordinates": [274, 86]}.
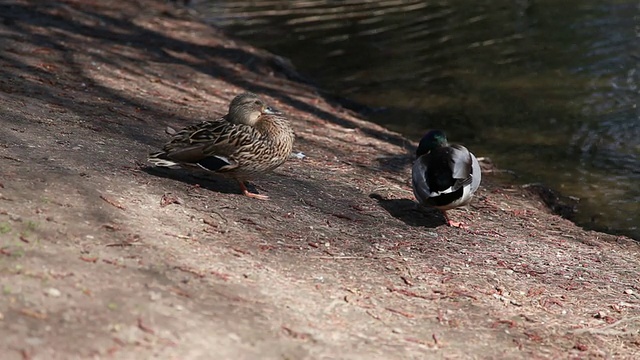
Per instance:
{"type": "Point", "coordinates": [444, 176]}
{"type": "Point", "coordinates": [251, 139]}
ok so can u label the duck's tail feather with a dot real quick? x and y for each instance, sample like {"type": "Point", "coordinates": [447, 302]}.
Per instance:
{"type": "Point", "coordinates": [160, 159]}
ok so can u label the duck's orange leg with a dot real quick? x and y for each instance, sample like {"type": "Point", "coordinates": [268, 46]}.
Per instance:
{"type": "Point", "coordinates": [246, 192]}
{"type": "Point", "coordinates": [452, 223]}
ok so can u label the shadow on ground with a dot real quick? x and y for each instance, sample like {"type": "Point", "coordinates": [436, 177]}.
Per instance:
{"type": "Point", "coordinates": [410, 212]}
{"type": "Point", "coordinates": [118, 37]}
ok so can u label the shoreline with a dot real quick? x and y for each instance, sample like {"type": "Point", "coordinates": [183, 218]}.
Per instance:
{"type": "Point", "coordinates": [600, 216]}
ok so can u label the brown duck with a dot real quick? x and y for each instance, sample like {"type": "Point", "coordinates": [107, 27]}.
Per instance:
{"type": "Point", "coordinates": [251, 139]}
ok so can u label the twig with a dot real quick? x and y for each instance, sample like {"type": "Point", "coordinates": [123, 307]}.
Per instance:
{"type": "Point", "coordinates": [295, 334]}
{"type": "Point", "coordinates": [178, 291]}
{"type": "Point", "coordinates": [412, 294]}
{"type": "Point", "coordinates": [220, 275]}
{"type": "Point", "coordinates": [400, 312]}
{"type": "Point", "coordinates": [337, 257]}
{"type": "Point", "coordinates": [190, 271]}
{"type": "Point", "coordinates": [11, 158]}
{"type": "Point", "coordinates": [33, 314]}
{"type": "Point", "coordinates": [372, 315]}
{"type": "Point", "coordinates": [406, 281]}
{"type": "Point", "coordinates": [89, 259]}
{"type": "Point", "coordinates": [144, 327]}
{"type": "Point", "coordinates": [113, 262]}
{"type": "Point", "coordinates": [121, 244]}
{"type": "Point", "coordinates": [112, 202]}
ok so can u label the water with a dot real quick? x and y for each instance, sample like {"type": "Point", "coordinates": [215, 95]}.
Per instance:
{"type": "Point", "coordinates": [548, 89]}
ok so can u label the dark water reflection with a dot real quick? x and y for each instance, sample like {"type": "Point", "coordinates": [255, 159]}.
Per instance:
{"type": "Point", "coordinates": [546, 88]}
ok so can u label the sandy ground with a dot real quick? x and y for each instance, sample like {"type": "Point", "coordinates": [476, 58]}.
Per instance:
{"type": "Point", "coordinates": [103, 257]}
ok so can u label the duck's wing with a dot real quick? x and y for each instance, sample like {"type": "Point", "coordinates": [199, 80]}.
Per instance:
{"type": "Point", "coordinates": [476, 174]}
{"type": "Point", "coordinates": [461, 163]}
{"type": "Point", "coordinates": [209, 145]}
{"type": "Point", "coordinates": [419, 172]}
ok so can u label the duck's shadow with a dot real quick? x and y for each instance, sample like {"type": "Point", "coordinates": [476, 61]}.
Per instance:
{"type": "Point", "coordinates": [215, 183]}
{"type": "Point", "coordinates": [410, 212]}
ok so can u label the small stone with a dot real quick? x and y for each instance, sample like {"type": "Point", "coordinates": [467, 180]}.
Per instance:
{"type": "Point", "coordinates": [396, 331]}
{"type": "Point", "coordinates": [67, 316]}
{"type": "Point", "coordinates": [53, 292]}
{"type": "Point", "coordinates": [628, 291]}
{"type": "Point", "coordinates": [34, 341]}
{"type": "Point", "coordinates": [509, 271]}
{"type": "Point", "coordinates": [155, 296]}
{"type": "Point", "coordinates": [600, 315]}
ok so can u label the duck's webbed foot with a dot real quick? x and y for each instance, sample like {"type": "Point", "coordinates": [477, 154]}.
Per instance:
{"type": "Point", "coordinates": [248, 193]}
{"type": "Point", "coordinates": [452, 223]}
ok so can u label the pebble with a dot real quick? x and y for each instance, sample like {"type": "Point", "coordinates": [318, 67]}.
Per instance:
{"type": "Point", "coordinates": [34, 341]}
{"type": "Point", "coordinates": [67, 316]}
{"type": "Point", "coordinates": [628, 291]}
{"type": "Point", "coordinates": [154, 296]}
{"type": "Point", "coordinates": [53, 292]}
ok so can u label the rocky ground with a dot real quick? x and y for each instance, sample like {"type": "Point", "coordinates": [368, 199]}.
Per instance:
{"type": "Point", "coordinates": [103, 257]}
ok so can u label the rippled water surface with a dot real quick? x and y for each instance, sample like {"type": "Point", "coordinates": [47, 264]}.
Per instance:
{"type": "Point", "coordinates": [548, 89]}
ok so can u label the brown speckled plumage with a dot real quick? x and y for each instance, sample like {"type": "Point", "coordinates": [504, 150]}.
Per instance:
{"type": "Point", "coordinates": [251, 139]}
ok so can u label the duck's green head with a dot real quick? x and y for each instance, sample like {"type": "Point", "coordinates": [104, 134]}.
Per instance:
{"type": "Point", "coordinates": [432, 140]}
{"type": "Point", "coordinates": [247, 108]}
